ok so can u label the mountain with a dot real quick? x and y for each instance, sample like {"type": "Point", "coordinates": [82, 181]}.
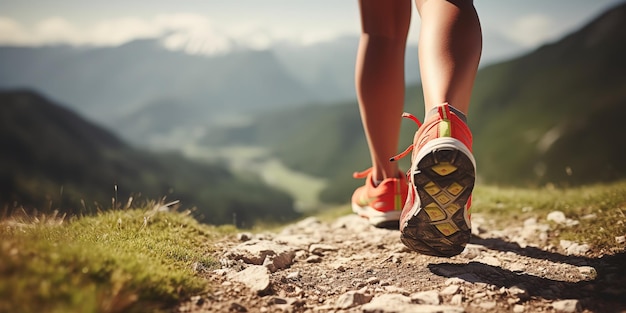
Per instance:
{"type": "Point", "coordinates": [107, 84]}
{"type": "Point", "coordinates": [146, 80]}
{"type": "Point", "coordinates": [554, 115]}
{"type": "Point", "coordinates": [51, 158]}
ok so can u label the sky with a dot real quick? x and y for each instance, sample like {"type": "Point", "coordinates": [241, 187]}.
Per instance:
{"type": "Point", "coordinates": [259, 24]}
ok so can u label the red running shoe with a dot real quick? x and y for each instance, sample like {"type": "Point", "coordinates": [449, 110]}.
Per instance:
{"type": "Point", "coordinates": [382, 204]}
{"type": "Point", "coordinates": [435, 219]}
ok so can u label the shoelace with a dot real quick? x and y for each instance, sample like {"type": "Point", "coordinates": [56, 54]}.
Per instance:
{"type": "Point", "coordinates": [362, 174]}
{"type": "Point", "coordinates": [410, 147]}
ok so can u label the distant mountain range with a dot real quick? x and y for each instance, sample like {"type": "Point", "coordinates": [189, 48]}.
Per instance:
{"type": "Point", "coordinates": [53, 159]}
{"type": "Point", "coordinates": [133, 89]}
{"type": "Point", "coordinates": [555, 115]}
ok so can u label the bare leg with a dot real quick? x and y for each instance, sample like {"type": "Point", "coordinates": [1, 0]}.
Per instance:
{"type": "Point", "coordinates": [449, 51]}
{"type": "Point", "coordinates": [380, 78]}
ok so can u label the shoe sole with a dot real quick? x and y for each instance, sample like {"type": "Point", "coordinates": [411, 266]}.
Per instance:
{"type": "Point", "coordinates": [443, 178]}
{"type": "Point", "coordinates": [388, 220]}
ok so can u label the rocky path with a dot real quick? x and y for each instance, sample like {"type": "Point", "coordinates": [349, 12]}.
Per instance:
{"type": "Point", "coordinates": [349, 266]}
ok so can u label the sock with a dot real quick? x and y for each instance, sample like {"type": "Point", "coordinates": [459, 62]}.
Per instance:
{"type": "Point", "coordinates": [454, 110]}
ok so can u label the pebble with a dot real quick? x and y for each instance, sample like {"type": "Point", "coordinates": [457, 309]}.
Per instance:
{"type": "Point", "coordinates": [620, 239]}
{"type": "Point", "coordinates": [372, 280]}
{"type": "Point", "coordinates": [319, 248]}
{"type": "Point", "coordinates": [426, 297]}
{"type": "Point", "coordinates": [244, 236]}
{"type": "Point", "coordinates": [450, 290]}
{"type": "Point", "coordinates": [457, 299]}
{"type": "Point", "coordinates": [396, 303]}
{"type": "Point", "coordinates": [471, 285]}
{"type": "Point", "coordinates": [488, 305]}
{"type": "Point", "coordinates": [351, 299]}
{"type": "Point", "coordinates": [560, 218]}
{"type": "Point", "coordinates": [567, 306]}
{"type": "Point", "coordinates": [294, 275]}
{"type": "Point", "coordinates": [588, 272]}
{"type": "Point", "coordinates": [573, 248]}
{"type": "Point", "coordinates": [255, 277]}
{"type": "Point", "coordinates": [259, 252]}
{"type": "Point", "coordinates": [313, 259]}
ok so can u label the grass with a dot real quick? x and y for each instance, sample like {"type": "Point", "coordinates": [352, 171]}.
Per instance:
{"type": "Point", "coordinates": [120, 260]}
{"type": "Point", "coordinates": [600, 210]}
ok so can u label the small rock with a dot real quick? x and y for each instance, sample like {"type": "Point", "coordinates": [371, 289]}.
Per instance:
{"type": "Point", "coordinates": [567, 306]}
{"type": "Point", "coordinates": [255, 277]}
{"type": "Point", "coordinates": [454, 281]}
{"type": "Point", "coordinates": [488, 305]}
{"type": "Point", "coordinates": [236, 307]}
{"type": "Point", "coordinates": [472, 251]}
{"type": "Point", "coordinates": [517, 267]}
{"type": "Point", "coordinates": [426, 297]}
{"type": "Point", "coordinates": [372, 280]}
{"type": "Point", "coordinates": [557, 217]}
{"type": "Point", "coordinates": [258, 252]}
{"type": "Point", "coordinates": [490, 260]}
{"type": "Point", "coordinates": [588, 272]}
{"type": "Point", "coordinates": [385, 303]}
{"type": "Point", "coordinates": [450, 290]}
{"type": "Point", "coordinates": [518, 308]}
{"type": "Point", "coordinates": [620, 239]}
{"type": "Point", "coordinates": [573, 248]}
{"type": "Point", "coordinates": [560, 218]}
{"type": "Point", "coordinates": [313, 259]}
{"type": "Point", "coordinates": [319, 248]}
{"type": "Point", "coordinates": [351, 299]}
{"type": "Point", "coordinates": [395, 303]}
{"type": "Point", "coordinates": [294, 276]}
{"type": "Point", "coordinates": [457, 299]}
{"type": "Point", "coordinates": [519, 292]}
{"type": "Point", "coordinates": [244, 236]}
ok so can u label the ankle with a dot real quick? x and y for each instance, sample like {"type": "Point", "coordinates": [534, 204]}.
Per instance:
{"type": "Point", "coordinates": [457, 112]}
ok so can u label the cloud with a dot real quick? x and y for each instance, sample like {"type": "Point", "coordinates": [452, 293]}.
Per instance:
{"type": "Point", "coordinates": [190, 32]}
{"type": "Point", "coordinates": [12, 33]}
{"type": "Point", "coordinates": [531, 30]}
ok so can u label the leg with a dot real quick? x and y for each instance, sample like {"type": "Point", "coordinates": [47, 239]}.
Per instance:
{"type": "Point", "coordinates": [449, 51]}
{"type": "Point", "coordinates": [380, 78]}
{"type": "Point", "coordinates": [435, 219]}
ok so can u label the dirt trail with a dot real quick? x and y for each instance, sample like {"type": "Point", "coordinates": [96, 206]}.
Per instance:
{"type": "Point", "coordinates": [349, 266]}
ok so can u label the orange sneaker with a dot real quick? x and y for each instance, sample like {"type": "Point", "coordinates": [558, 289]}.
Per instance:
{"type": "Point", "coordinates": [435, 219]}
{"type": "Point", "coordinates": [382, 204]}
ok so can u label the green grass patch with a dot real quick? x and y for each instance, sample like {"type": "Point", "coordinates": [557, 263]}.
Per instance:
{"type": "Point", "coordinates": [600, 210]}
{"type": "Point", "coordinates": [119, 260]}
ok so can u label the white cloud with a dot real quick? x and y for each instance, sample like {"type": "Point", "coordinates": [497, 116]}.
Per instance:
{"type": "Point", "coordinates": [11, 32]}
{"type": "Point", "coordinates": [531, 30]}
{"type": "Point", "coordinates": [192, 33]}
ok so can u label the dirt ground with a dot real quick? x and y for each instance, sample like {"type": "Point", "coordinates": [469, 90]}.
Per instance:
{"type": "Point", "coordinates": [349, 266]}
